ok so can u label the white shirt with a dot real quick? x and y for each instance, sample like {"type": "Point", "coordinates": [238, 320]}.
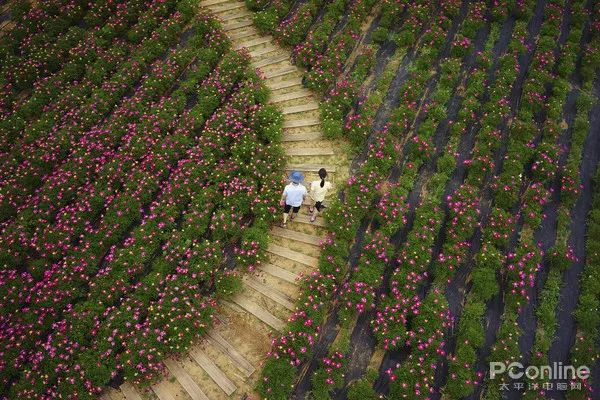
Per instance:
{"type": "Point", "coordinates": [317, 192]}
{"type": "Point", "coordinates": [294, 194]}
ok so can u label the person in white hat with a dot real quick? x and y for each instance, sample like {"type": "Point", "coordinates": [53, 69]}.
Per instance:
{"type": "Point", "coordinates": [293, 196]}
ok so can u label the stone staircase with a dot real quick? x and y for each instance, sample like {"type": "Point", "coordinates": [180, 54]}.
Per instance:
{"type": "Point", "coordinates": [226, 362]}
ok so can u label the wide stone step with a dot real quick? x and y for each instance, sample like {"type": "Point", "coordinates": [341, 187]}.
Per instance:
{"type": "Point", "coordinates": [288, 83]}
{"type": "Point", "coordinates": [162, 392]}
{"type": "Point", "coordinates": [310, 151]}
{"type": "Point", "coordinates": [248, 32]}
{"type": "Point", "coordinates": [254, 42]}
{"type": "Point", "coordinates": [270, 61]}
{"type": "Point", "coordinates": [207, 3]}
{"type": "Point", "coordinates": [264, 50]}
{"type": "Point", "coordinates": [278, 98]}
{"type": "Point", "coordinates": [271, 293]}
{"type": "Point", "coordinates": [311, 106]}
{"type": "Point", "coordinates": [305, 219]}
{"type": "Point", "coordinates": [295, 235]}
{"type": "Point", "coordinates": [280, 72]}
{"type": "Point", "coordinates": [309, 167]}
{"type": "Point", "coordinates": [237, 25]}
{"type": "Point", "coordinates": [230, 6]}
{"type": "Point", "coordinates": [300, 137]}
{"type": "Point", "coordinates": [185, 380]}
{"type": "Point", "coordinates": [279, 272]}
{"type": "Point", "coordinates": [225, 347]}
{"type": "Point", "coordinates": [259, 312]}
{"type": "Point", "coordinates": [130, 392]}
{"type": "Point", "coordinates": [293, 255]}
{"type": "Point", "coordinates": [235, 16]}
{"type": "Point", "coordinates": [213, 371]}
{"type": "Point", "coordinates": [301, 123]}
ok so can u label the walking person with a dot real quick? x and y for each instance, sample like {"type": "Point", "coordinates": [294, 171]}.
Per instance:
{"type": "Point", "coordinates": [293, 196]}
{"type": "Point", "coordinates": [318, 191]}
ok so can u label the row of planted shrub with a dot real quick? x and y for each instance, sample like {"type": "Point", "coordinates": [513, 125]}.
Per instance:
{"type": "Point", "coordinates": [104, 47]}
{"type": "Point", "coordinates": [401, 313]}
{"type": "Point", "coordinates": [137, 216]}
{"type": "Point", "coordinates": [497, 109]}
{"type": "Point", "coordinates": [540, 147]}
{"type": "Point", "coordinates": [362, 190]}
{"type": "Point", "coordinates": [585, 349]}
{"type": "Point", "coordinates": [407, 317]}
{"type": "Point", "coordinates": [567, 183]}
{"type": "Point", "coordinates": [519, 265]}
{"type": "Point", "coordinates": [463, 209]}
{"type": "Point", "coordinates": [55, 40]}
{"type": "Point", "coordinates": [484, 285]}
{"type": "Point", "coordinates": [47, 142]}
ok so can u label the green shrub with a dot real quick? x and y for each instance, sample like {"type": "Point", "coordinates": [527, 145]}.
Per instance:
{"type": "Point", "coordinates": [266, 21]}
{"type": "Point", "coordinates": [380, 35]}
{"type": "Point", "coordinates": [363, 389]}
{"type": "Point", "coordinates": [404, 38]}
{"type": "Point", "coordinates": [227, 284]}
{"type": "Point", "coordinates": [278, 379]}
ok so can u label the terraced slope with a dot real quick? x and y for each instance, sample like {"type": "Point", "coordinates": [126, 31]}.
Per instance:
{"type": "Point", "coordinates": [226, 363]}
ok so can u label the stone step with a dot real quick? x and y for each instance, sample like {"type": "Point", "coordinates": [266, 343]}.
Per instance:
{"type": "Point", "coordinates": [300, 137]}
{"type": "Point", "coordinates": [269, 292]}
{"type": "Point", "coordinates": [185, 380]}
{"type": "Point", "coordinates": [280, 72]}
{"type": "Point", "coordinates": [310, 151]}
{"type": "Point", "coordinates": [254, 42]}
{"type": "Point", "coordinates": [213, 370]}
{"type": "Point", "coordinates": [207, 3]}
{"type": "Point", "coordinates": [225, 347]}
{"type": "Point", "coordinates": [309, 167]}
{"type": "Point", "coordinates": [301, 123]}
{"type": "Point", "coordinates": [105, 396]}
{"type": "Point", "coordinates": [244, 34]}
{"type": "Point", "coordinates": [249, 32]}
{"type": "Point", "coordinates": [237, 25]}
{"type": "Point", "coordinates": [309, 106]}
{"type": "Point", "coordinates": [280, 273]}
{"type": "Point", "coordinates": [259, 312]}
{"type": "Point", "coordinates": [162, 392]}
{"type": "Point", "coordinates": [271, 61]}
{"type": "Point", "coordinates": [265, 50]}
{"type": "Point", "coordinates": [295, 235]}
{"type": "Point", "coordinates": [293, 255]}
{"type": "Point", "coordinates": [234, 16]}
{"type": "Point", "coordinates": [130, 392]}
{"type": "Point", "coordinates": [288, 83]}
{"type": "Point", "coordinates": [278, 98]}
{"type": "Point", "coordinates": [229, 6]}
{"type": "Point", "coordinates": [305, 219]}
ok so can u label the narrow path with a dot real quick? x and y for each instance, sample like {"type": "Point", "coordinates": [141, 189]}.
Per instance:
{"type": "Point", "coordinates": [225, 364]}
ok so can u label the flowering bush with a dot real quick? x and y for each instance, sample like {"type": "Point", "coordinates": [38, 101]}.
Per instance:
{"type": "Point", "coordinates": [329, 376]}
{"type": "Point", "coordinates": [584, 351]}
{"type": "Point", "coordinates": [140, 197]}
{"type": "Point", "coordinates": [357, 295]}
{"type": "Point", "coordinates": [459, 179]}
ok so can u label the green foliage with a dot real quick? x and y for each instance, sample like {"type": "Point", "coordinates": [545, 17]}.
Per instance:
{"type": "Point", "coordinates": [362, 389]}
{"type": "Point", "coordinates": [380, 34]}
{"type": "Point", "coordinates": [227, 284]}
{"type": "Point", "coordinates": [278, 378]}
{"type": "Point", "coordinates": [266, 20]}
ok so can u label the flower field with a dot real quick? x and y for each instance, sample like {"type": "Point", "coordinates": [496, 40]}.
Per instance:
{"type": "Point", "coordinates": [461, 235]}
{"type": "Point", "coordinates": [140, 164]}
{"type": "Point", "coordinates": [143, 146]}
